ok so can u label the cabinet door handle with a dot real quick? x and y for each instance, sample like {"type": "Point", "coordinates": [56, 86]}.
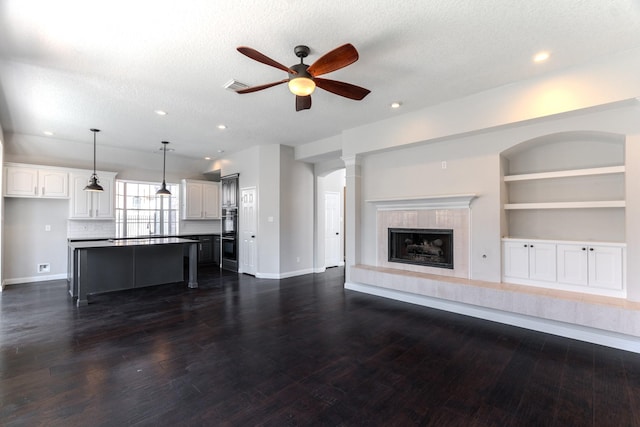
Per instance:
{"type": "Point", "coordinates": [590, 249]}
{"type": "Point", "coordinates": [584, 249]}
{"type": "Point", "coordinates": [35, 190]}
{"type": "Point", "coordinates": [526, 246]}
{"type": "Point", "coordinates": [530, 246]}
{"type": "Point", "coordinates": [43, 191]}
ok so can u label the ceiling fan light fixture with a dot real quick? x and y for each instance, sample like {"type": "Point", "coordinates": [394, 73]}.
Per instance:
{"type": "Point", "coordinates": [302, 86]}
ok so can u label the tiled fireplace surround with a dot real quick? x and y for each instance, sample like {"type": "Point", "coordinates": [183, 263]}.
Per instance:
{"type": "Point", "coordinates": [451, 219]}
{"type": "Point", "coordinates": [603, 320]}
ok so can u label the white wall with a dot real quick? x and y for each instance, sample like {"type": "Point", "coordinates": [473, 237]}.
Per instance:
{"type": "Point", "coordinates": [2, 144]}
{"type": "Point", "coordinates": [269, 213]}
{"type": "Point", "coordinates": [632, 210]}
{"type": "Point", "coordinates": [27, 242]}
{"type": "Point", "coordinates": [296, 214]}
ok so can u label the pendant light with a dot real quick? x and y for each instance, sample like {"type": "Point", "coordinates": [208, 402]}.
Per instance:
{"type": "Point", "coordinates": [163, 190]}
{"type": "Point", "coordinates": [94, 182]}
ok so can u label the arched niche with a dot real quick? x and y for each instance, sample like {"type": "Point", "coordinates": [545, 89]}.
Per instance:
{"type": "Point", "coordinates": [565, 186]}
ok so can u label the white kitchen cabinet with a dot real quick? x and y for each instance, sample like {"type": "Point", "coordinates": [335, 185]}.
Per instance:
{"type": "Point", "coordinates": [90, 204]}
{"type": "Point", "coordinates": [35, 181]}
{"type": "Point", "coordinates": [201, 199]}
{"type": "Point", "coordinates": [595, 266]}
{"type": "Point", "coordinates": [530, 260]}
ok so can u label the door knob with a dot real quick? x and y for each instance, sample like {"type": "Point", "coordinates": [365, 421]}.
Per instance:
{"type": "Point", "coordinates": [337, 234]}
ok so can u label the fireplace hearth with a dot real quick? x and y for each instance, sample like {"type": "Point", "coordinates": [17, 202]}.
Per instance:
{"type": "Point", "coordinates": [426, 247]}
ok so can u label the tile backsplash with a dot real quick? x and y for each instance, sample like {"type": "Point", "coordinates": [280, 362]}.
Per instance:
{"type": "Point", "coordinates": [90, 229]}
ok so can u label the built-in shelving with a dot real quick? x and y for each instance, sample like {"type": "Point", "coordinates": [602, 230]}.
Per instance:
{"type": "Point", "coordinates": [565, 174]}
{"type": "Point", "coordinates": [567, 205]}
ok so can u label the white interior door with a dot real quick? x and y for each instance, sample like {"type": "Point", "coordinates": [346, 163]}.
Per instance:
{"type": "Point", "coordinates": [248, 228]}
{"type": "Point", "coordinates": [332, 229]}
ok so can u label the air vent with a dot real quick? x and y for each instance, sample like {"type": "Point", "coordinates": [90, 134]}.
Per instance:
{"type": "Point", "coordinates": [235, 85]}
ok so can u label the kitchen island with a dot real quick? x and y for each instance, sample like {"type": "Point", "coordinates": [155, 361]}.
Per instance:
{"type": "Point", "coordinates": [101, 266]}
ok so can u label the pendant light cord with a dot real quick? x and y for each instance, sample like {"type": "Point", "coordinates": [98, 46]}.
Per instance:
{"type": "Point", "coordinates": [94, 151]}
{"type": "Point", "coordinates": [164, 162]}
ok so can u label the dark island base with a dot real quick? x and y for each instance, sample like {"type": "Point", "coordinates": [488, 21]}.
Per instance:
{"type": "Point", "coordinates": [102, 268]}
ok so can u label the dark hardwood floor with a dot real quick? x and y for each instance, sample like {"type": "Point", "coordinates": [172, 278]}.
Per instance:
{"type": "Point", "coordinates": [302, 351]}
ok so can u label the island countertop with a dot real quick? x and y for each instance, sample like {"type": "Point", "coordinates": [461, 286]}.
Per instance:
{"type": "Point", "coordinates": [146, 241]}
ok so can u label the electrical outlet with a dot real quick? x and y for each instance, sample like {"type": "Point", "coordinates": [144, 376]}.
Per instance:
{"type": "Point", "coordinates": [44, 267]}
{"type": "Point", "coordinates": [444, 165]}
{"type": "Point", "coordinates": [47, 227]}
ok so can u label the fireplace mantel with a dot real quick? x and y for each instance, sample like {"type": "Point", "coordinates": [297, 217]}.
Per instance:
{"type": "Point", "coordinates": [452, 201]}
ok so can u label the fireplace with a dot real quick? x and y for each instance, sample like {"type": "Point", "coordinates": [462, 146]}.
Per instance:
{"type": "Point", "coordinates": [426, 247]}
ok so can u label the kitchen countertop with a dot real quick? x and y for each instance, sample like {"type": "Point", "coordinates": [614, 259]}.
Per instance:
{"type": "Point", "coordinates": [181, 235]}
{"type": "Point", "coordinates": [112, 243]}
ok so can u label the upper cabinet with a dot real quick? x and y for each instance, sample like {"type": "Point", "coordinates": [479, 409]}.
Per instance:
{"type": "Point", "coordinates": [89, 204]}
{"type": "Point", "coordinates": [35, 181]}
{"type": "Point", "coordinates": [230, 191]}
{"type": "Point", "coordinates": [200, 199]}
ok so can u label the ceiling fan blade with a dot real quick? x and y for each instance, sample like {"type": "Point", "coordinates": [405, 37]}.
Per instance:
{"type": "Point", "coordinates": [343, 89]}
{"type": "Point", "coordinates": [303, 102]}
{"type": "Point", "coordinates": [257, 88]}
{"type": "Point", "coordinates": [257, 56]}
{"type": "Point", "coordinates": [331, 61]}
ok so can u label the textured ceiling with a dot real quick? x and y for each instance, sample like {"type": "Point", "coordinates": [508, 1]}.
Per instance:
{"type": "Point", "coordinates": [69, 65]}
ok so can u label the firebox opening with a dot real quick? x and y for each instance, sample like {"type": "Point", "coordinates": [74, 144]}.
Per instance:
{"type": "Point", "coordinates": [428, 247]}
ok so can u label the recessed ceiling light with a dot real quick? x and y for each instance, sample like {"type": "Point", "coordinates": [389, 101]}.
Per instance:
{"type": "Point", "coordinates": [220, 151]}
{"type": "Point", "coordinates": [160, 112]}
{"type": "Point", "coordinates": [48, 133]}
{"type": "Point", "coordinates": [396, 104]}
{"type": "Point", "coordinates": [541, 56]}
{"type": "Point", "coordinates": [222, 127]}
{"type": "Point", "coordinates": [207, 158]}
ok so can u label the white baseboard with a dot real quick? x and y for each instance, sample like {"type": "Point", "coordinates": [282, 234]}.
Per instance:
{"type": "Point", "coordinates": [47, 278]}
{"type": "Point", "coordinates": [284, 275]}
{"type": "Point", "coordinates": [577, 332]}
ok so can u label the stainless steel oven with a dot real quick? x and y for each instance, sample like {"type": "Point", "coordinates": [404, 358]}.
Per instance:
{"type": "Point", "coordinates": [229, 222]}
{"type": "Point", "coordinates": [229, 253]}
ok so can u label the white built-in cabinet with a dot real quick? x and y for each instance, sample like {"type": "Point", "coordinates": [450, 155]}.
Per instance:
{"type": "Point", "coordinates": [530, 260]}
{"type": "Point", "coordinates": [34, 181]}
{"type": "Point", "coordinates": [591, 267]}
{"type": "Point", "coordinates": [200, 199]}
{"type": "Point", "coordinates": [90, 204]}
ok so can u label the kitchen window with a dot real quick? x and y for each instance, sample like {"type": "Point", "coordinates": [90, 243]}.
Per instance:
{"type": "Point", "coordinates": [140, 212]}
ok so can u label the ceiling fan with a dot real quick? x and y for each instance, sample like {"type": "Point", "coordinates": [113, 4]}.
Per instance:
{"type": "Point", "coordinates": [303, 78]}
